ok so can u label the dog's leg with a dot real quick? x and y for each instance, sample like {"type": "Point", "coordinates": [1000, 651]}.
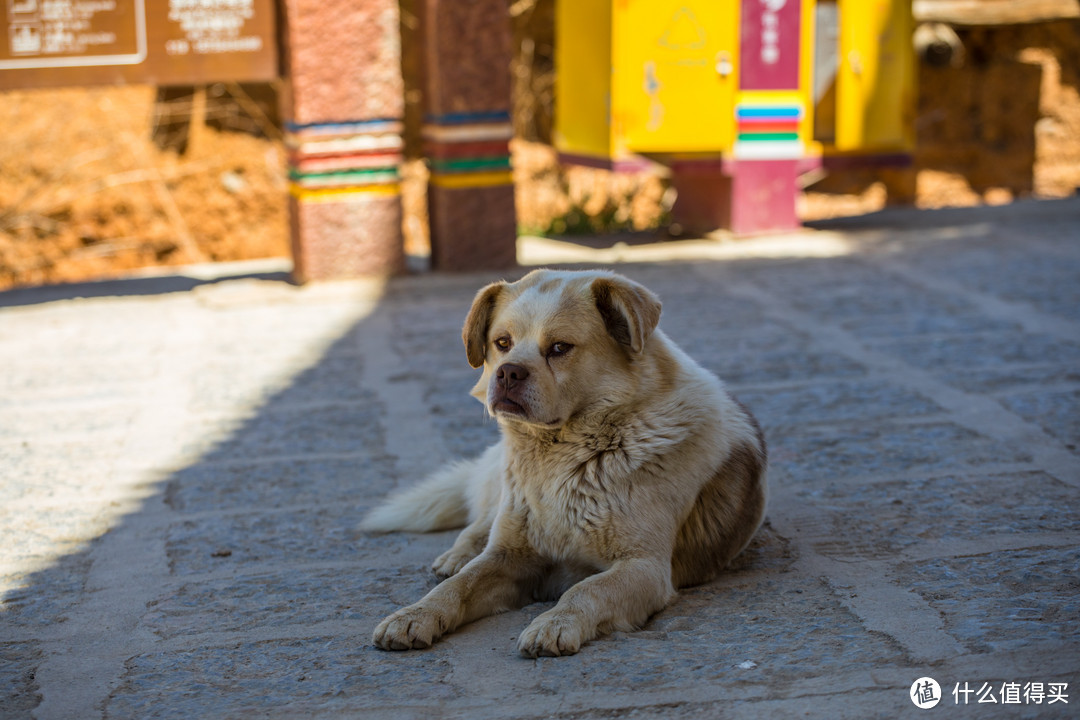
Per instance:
{"type": "Point", "coordinates": [497, 580]}
{"type": "Point", "coordinates": [468, 545]}
{"type": "Point", "coordinates": [622, 597]}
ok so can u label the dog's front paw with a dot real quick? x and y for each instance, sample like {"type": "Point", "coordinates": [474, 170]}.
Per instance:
{"type": "Point", "coordinates": [552, 634]}
{"type": "Point", "coordinates": [412, 627]}
{"type": "Point", "coordinates": [450, 562]}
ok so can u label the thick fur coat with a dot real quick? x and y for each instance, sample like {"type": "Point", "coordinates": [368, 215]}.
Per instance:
{"type": "Point", "coordinates": [625, 470]}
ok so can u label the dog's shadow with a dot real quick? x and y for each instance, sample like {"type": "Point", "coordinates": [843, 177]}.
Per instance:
{"type": "Point", "coordinates": [768, 552]}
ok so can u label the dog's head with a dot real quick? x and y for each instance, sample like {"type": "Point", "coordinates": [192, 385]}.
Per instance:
{"type": "Point", "coordinates": [557, 344]}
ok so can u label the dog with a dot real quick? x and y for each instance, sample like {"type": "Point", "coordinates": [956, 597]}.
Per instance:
{"type": "Point", "coordinates": [625, 470]}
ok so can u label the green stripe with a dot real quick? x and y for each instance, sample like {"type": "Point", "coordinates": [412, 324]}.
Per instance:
{"type": "Point", "coordinates": [342, 174]}
{"type": "Point", "coordinates": [493, 163]}
{"type": "Point", "coordinates": [768, 136]}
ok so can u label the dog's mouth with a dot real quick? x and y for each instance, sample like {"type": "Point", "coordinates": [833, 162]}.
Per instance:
{"type": "Point", "coordinates": [505, 405]}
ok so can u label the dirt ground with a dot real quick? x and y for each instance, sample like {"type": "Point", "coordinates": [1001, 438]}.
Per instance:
{"type": "Point", "coordinates": [92, 185]}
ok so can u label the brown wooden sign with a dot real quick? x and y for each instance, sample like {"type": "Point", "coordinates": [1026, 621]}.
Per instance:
{"type": "Point", "coordinates": [49, 43]}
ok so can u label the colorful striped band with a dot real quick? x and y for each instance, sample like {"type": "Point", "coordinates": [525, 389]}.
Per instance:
{"type": "Point", "coordinates": [768, 130]}
{"type": "Point", "coordinates": [341, 158]}
{"type": "Point", "coordinates": [468, 149]}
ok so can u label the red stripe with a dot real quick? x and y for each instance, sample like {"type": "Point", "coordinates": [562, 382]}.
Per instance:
{"type": "Point", "coordinates": [339, 162]}
{"type": "Point", "coordinates": [768, 127]}
{"type": "Point", "coordinates": [480, 148]}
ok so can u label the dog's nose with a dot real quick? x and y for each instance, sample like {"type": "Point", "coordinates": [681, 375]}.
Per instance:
{"type": "Point", "coordinates": [510, 375]}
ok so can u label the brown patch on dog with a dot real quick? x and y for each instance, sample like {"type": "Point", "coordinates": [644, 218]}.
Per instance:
{"type": "Point", "coordinates": [725, 517]}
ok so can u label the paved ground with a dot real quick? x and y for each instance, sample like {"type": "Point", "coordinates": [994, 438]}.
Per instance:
{"type": "Point", "coordinates": [184, 463]}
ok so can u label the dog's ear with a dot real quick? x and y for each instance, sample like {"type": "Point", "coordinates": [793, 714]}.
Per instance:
{"type": "Point", "coordinates": [630, 311]}
{"type": "Point", "coordinates": [478, 321]}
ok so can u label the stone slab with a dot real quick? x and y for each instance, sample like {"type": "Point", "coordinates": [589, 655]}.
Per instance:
{"type": "Point", "coordinates": [883, 520]}
{"type": "Point", "coordinates": [258, 678]}
{"type": "Point", "coordinates": [1012, 378]}
{"type": "Point", "coordinates": [1058, 413]}
{"type": "Point", "coordinates": [818, 454]}
{"type": "Point", "coordinates": [336, 378]}
{"type": "Point", "coordinates": [783, 410]}
{"type": "Point", "coordinates": [779, 366]}
{"type": "Point", "coordinates": [278, 483]}
{"type": "Point", "coordinates": [44, 598]}
{"type": "Point", "coordinates": [249, 540]}
{"type": "Point", "coordinates": [966, 352]}
{"type": "Point", "coordinates": [258, 603]}
{"type": "Point", "coordinates": [1043, 281]}
{"type": "Point", "coordinates": [18, 690]}
{"type": "Point", "coordinates": [299, 430]}
{"type": "Point", "coordinates": [1004, 600]}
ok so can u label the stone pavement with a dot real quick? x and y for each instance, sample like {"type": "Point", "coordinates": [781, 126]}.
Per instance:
{"type": "Point", "coordinates": [184, 460]}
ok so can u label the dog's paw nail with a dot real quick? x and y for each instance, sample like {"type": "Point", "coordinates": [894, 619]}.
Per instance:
{"type": "Point", "coordinates": [408, 629]}
{"type": "Point", "coordinates": [449, 564]}
{"type": "Point", "coordinates": [552, 636]}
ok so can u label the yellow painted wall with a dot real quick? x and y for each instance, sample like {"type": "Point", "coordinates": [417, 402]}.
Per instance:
{"type": "Point", "coordinates": [676, 74]}
{"type": "Point", "coordinates": [876, 76]}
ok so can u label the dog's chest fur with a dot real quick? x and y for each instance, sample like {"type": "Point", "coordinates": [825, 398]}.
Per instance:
{"type": "Point", "coordinates": [577, 491]}
{"type": "Point", "coordinates": [568, 505]}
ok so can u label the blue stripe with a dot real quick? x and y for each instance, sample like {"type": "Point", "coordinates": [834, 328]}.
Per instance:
{"type": "Point", "coordinates": [768, 112]}
{"type": "Point", "coordinates": [468, 118]}
{"type": "Point", "coordinates": [349, 125]}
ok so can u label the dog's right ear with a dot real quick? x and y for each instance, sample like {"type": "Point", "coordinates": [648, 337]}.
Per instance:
{"type": "Point", "coordinates": [630, 311]}
{"type": "Point", "coordinates": [478, 321]}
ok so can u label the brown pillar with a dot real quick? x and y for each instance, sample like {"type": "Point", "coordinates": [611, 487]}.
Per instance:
{"type": "Point", "coordinates": [344, 108]}
{"type": "Point", "coordinates": [467, 54]}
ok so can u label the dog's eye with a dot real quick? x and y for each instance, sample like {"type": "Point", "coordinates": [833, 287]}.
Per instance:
{"type": "Point", "coordinates": [503, 343]}
{"type": "Point", "coordinates": [559, 348]}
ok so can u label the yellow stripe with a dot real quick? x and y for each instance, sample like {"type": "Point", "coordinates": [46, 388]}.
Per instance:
{"type": "Point", "coordinates": [332, 194]}
{"type": "Point", "coordinates": [770, 97]}
{"type": "Point", "coordinates": [467, 180]}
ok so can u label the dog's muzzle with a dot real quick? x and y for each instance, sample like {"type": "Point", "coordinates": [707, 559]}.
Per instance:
{"type": "Point", "coordinates": [508, 385]}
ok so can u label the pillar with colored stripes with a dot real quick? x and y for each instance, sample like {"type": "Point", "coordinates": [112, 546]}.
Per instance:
{"type": "Point", "coordinates": [754, 188]}
{"type": "Point", "coordinates": [345, 102]}
{"type": "Point", "coordinates": [467, 54]}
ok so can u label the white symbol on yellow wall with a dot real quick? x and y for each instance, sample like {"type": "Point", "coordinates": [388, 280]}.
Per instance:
{"type": "Point", "coordinates": [652, 89]}
{"type": "Point", "coordinates": [683, 32]}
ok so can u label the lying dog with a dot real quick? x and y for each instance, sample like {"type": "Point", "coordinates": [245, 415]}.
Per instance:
{"type": "Point", "coordinates": [625, 470]}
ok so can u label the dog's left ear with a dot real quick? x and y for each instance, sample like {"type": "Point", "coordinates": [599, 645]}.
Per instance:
{"type": "Point", "coordinates": [474, 334]}
{"type": "Point", "coordinates": [630, 311]}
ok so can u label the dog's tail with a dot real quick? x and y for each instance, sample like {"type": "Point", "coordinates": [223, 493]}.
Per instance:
{"type": "Point", "coordinates": [438, 503]}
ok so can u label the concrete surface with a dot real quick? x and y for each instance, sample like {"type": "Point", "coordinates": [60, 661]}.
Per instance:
{"type": "Point", "coordinates": [185, 459]}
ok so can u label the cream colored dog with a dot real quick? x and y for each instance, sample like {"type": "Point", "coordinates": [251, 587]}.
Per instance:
{"type": "Point", "coordinates": [625, 470]}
